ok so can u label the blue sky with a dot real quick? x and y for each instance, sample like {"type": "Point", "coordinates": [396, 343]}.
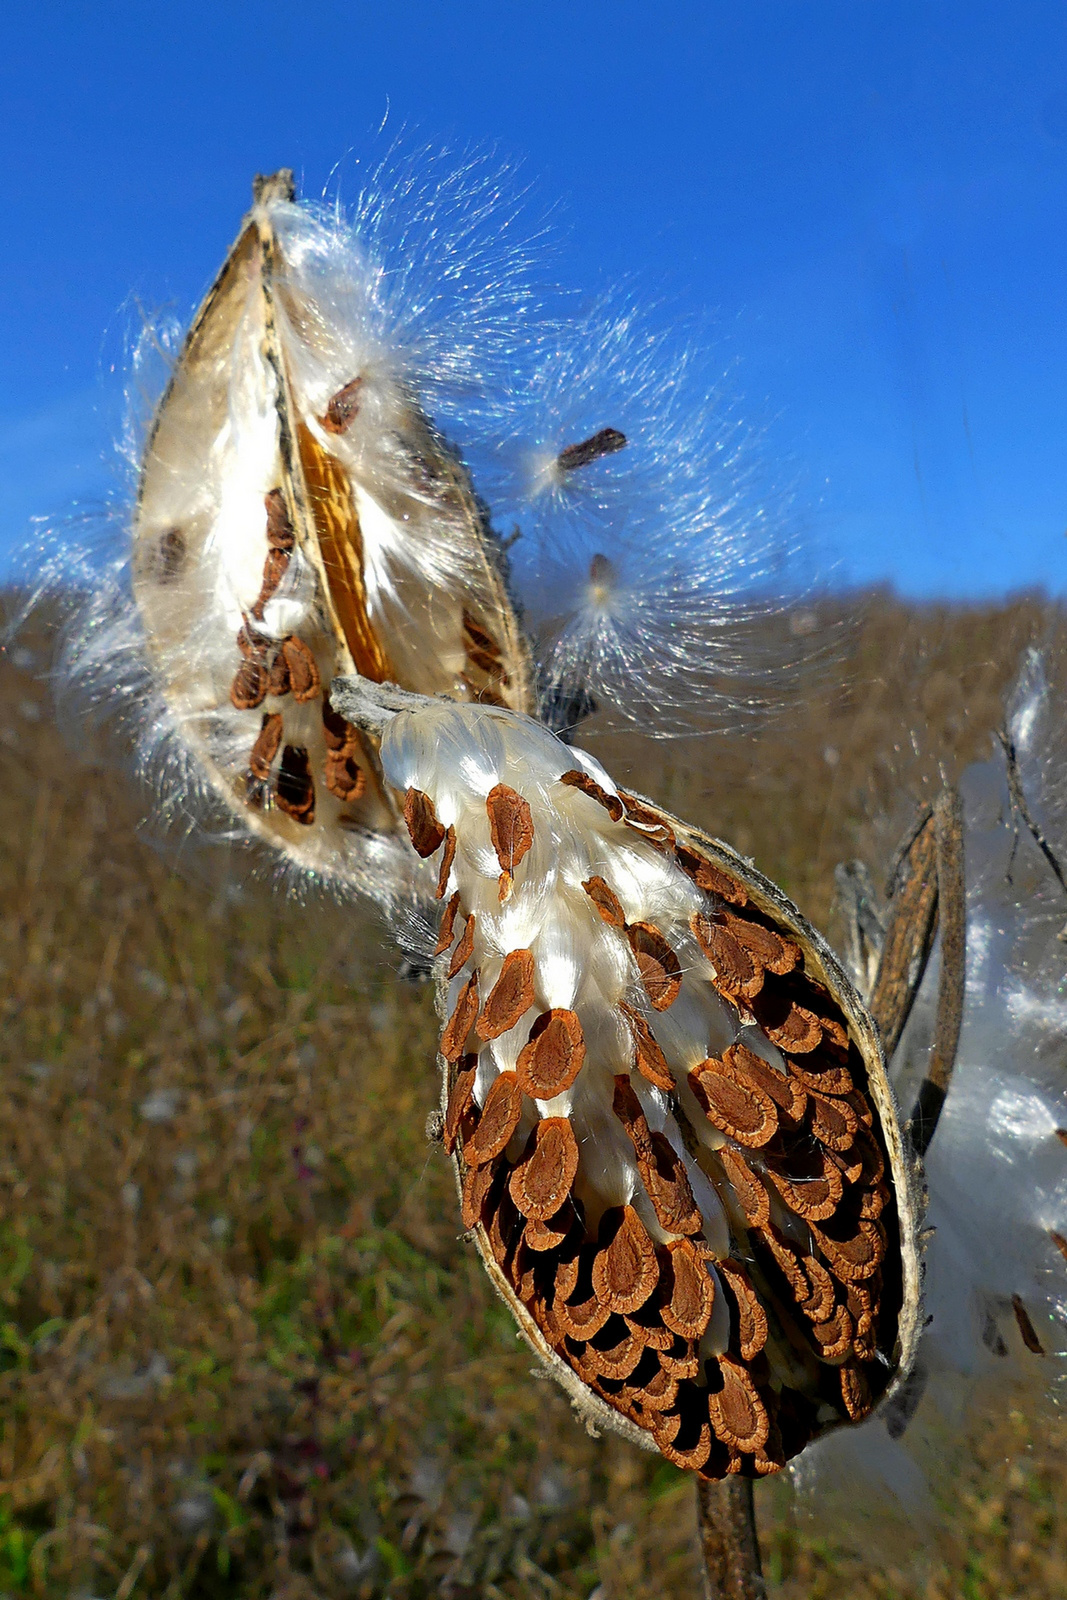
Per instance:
{"type": "Point", "coordinates": [870, 199]}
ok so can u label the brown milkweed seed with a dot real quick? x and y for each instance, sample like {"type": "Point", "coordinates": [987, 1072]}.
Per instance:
{"type": "Point", "coordinates": [274, 570]}
{"type": "Point", "coordinates": [736, 973]}
{"type": "Point", "coordinates": [268, 743]}
{"type": "Point", "coordinates": [542, 1180]}
{"type": "Point", "coordinates": [606, 902]}
{"type": "Point", "coordinates": [856, 1256]}
{"type": "Point", "coordinates": [833, 1122]}
{"type": "Point", "coordinates": [448, 925]}
{"type": "Point", "coordinates": [664, 1177]}
{"type": "Point", "coordinates": [510, 826]}
{"type": "Point", "coordinates": [344, 777]}
{"type": "Point", "coordinates": [588, 785]}
{"type": "Point", "coordinates": [552, 1058]}
{"type": "Point", "coordinates": [825, 1076]}
{"type": "Point", "coordinates": [788, 1095]}
{"type": "Point", "coordinates": [547, 1233]}
{"type": "Point", "coordinates": [426, 832]}
{"type": "Point", "coordinates": [688, 1290]}
{"type": "Point", "coordinates": [750, 1190]}
{"type": "Point", "coordinates": [627, 1107]}
{"type": "Point", "coordinates": [855, 1392]}
{"type": "Point", "coordinates": [815, 1197]}
{"type": "Point", "coordinates": [303, 670]}
{"type": "Point", "coordinates": [295, 793]}
{"type": "Point", "coordinates": [1026, 1327]}
{"type": "Point", "coordinates": [343, 407]}
{"type": "Point", "coordinates": [447, 858]}
{"type": "Point", "coordinates": [706, 876]}
{"type": "Point", "coordinates": [280, 535]}
{"type": "Point", "coordinates": [819, 1304]}
{"type": "Point", "coordinates": [657, 963]}
{"type": "Point", "coordinates": [660, 1392]}
{"type": "Point", "coordinates": [460, 1097]}
{"type": "Point", "coordinates": [625, 1270]}
{"type": "Point", "coordinates": [647, 1322]}
{"type": "Point", "coordinates": [779, 955]}
{"type": "Point", "coordinates": [279, 682]}
{"type": "Point", "coordinates": [498, 1121]}
{"type": "Point", "coordinates": [249, 686]}
{"type": "Point", "coordinates": [834, 1336]}
{"type": "Point", "coordinates": [464, 949]}
{"type": "Point", "coordinates": [616, 1349]}
{"type": "Point", "coordinates": [477, 1186]}
{"type": "Point", "coordinates": [733, 1101]}
{"type": "Point", "coordinates": [738, 1415]}
{"type": "Point", "coordinates": [582, 1319]}
{"type": "Point", "coordinates": [665, 1427]}
{"type": "Point", "coordinates": [170, 555]}
{"type": "Point", "coordinates": [511, 996]}
{"type": "Point", "coordinates": [682, 1360]}
{"type": "Point", "coordinates": [791, 1027]}
{"type": "Point", "coordinates": [642, 819]}
{"type": "Point", "coordinates": [604, 443]}
{"type": "Point", "coordinates": [460, 1023]}
{"type": "Point", "coordinates": [789, 1264]}
{"type": "Point", "coordinates": [690, 1447]}
{"type": "Point", "coordinates": [650, 1061]}
{"type": "Point", "coordinates": [750, 1319]}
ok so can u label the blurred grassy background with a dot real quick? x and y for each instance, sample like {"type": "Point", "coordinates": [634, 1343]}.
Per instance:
{"type": "Point", "coordinates": [243, 1348]}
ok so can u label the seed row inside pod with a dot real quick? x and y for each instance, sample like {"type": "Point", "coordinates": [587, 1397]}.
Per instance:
{"type": "Point", "coordinates": [298, 516]}
{"type": "Point", "coordinates": [675, 1147]}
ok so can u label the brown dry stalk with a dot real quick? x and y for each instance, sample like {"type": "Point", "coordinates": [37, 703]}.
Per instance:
{"type": "Point", "coordinates": [729, 1545]}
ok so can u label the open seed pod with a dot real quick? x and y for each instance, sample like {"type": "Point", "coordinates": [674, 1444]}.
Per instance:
{"type": "Point", "coordinates": [675, 1141]}
{"type": "Point", "coordinates": [299, 516]}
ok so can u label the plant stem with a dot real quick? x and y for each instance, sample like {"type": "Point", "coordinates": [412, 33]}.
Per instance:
{"type": "Point", "coordinates": [729, 1545]}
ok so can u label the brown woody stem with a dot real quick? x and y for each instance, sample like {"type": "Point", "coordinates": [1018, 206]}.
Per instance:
{"type": "Point", "coordinates": [729, 1544]}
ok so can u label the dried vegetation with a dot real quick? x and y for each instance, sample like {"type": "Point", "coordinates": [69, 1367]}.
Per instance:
{"type": "Point", "coordinates": [243, 1347]}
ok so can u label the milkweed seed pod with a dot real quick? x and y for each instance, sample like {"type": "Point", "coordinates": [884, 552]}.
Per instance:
{"type": "Point", "coordinates": [675, 1141]}
{"type": "Point", "coordinates": [298, 516]}
{"type": "Point", "coordinates": [312, 499]}
{"type": "Point", "coordinates": [995, 1285]}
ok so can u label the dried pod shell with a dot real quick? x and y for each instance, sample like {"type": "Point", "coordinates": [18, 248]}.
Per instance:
{"type": "Point", "coordinates": [262, 511]}
{"type": "Point", "coordinates": [633, 1328]}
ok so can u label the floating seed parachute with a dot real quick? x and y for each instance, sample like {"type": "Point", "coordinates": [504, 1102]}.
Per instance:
{"type": "Point", "coordinates": [676, 1143]}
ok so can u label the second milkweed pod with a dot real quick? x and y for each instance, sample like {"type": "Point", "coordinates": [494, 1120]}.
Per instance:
{"type": "Point", "coordinates": [706, 1227]}
{"type": "Point", "coordinates": [298, 515]}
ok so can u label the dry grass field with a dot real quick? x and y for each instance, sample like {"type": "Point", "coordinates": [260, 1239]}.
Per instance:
{"type": "Point", "coordinates": [244, 1350]}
